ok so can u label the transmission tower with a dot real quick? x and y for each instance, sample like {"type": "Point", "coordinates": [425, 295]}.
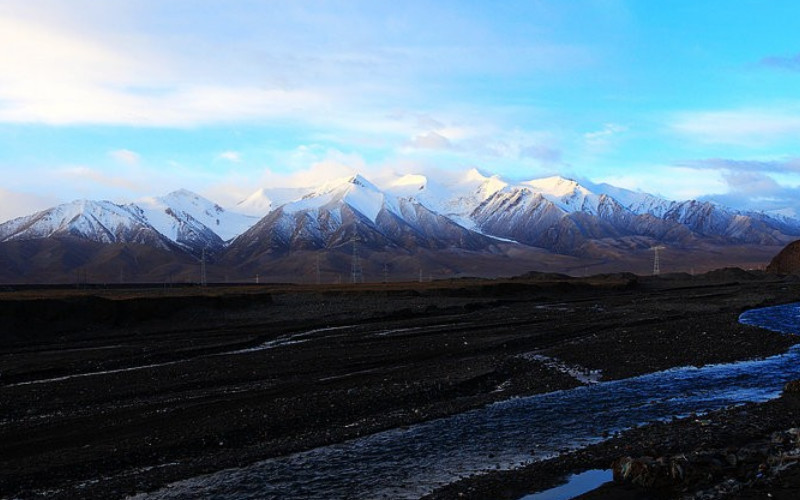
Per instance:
{"type": "Point", "coordinates": [656, 261]}
{"type": "Point", "coordinates": [356, 274]}
{"type": "Point", "coordinates": [203, 277]}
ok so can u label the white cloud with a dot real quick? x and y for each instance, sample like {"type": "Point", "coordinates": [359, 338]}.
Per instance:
{"type": "Point", "coordinates": [51, 74]}
{"type": "Point", "coordinates": [520, 146]}
{"type": "Point", "coordinates": [90, 177]}
{"type": "Point", "coordinates": [784, 165]}
{"type": "Point", "coordinates": [429, 140]}
{"type": "Point", "coordinates": [601, 140]}
{"type": "Point", "coordinates": [306, 167]}
{"type": "Point", "coordinates": [152, 63]}
{"type": "Point", "coordinates": [736, 188]}
{"type": "Point", "coordinates": [670, 182]}
{"type": "Point", "coordinates": [757, 191]}
{"type": "Point", "coordinates": [753, 184]}
{"type": "Point", "coordinates": [334, 164]}
{"type": "Point", "coordinates": [231, 156]}
{"type": "Point", "coordinates": [180, 106]}
{"type": "Point", "coordinates": [741, 127]}
{"type": "Point", "coordinates": [125, 156]}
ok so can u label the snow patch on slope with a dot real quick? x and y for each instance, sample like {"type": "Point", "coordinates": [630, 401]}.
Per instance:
{"type": "Point", "coordinates": [101, 221]}
{"type": "Point", "coordinates": [567, 194]}
{"type": "Point", "coordinates": [265, 200]}
{"type": "Point", "coordinates": [357, 192]}
{"type": "Point", "coordinates": [167, 214]}
{"type": "Point", "coordinates": [458, 197]}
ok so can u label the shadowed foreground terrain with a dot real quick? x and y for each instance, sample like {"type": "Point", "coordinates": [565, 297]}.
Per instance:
{"type": "Point", "coordinates": [107, 393]}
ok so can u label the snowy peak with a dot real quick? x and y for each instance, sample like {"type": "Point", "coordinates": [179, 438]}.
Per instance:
{"type": "Point", "coordinates": [175, 213]}
{"type": "Point", "coordinates": [100, 221]}
{"type": "Point", "coordinates": [556, 186]}
{"type": "Point", "coordinates": [458, 197]}
{"type": "Point", "coordinates": [567, 194]}
{"type": "Point", "coordinates": [180, 217]}
{"type": "Point", "coordinates": [355, 191]}
{"type": "Point", "coordinates": [464, 210]}
{"type": "Point", "coordinates": [342, 185]}
{"type": "Point", "coordinates": [264, 200]}
{"type": "Point", "coordinates": [637, 202]}
{"type": "Point", "coordinates": [258, 203]}
{"type": "Point", "coordinates": [408, 186]}
{"type": "Point", "coordinates": [483, 186]}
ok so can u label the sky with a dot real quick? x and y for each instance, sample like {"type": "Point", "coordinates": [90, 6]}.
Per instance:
{"type": "Point", "coordinates": [122, 99]}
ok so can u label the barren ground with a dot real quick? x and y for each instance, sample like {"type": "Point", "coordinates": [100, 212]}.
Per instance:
{"type": "Point", "coordinates": [105, 393]}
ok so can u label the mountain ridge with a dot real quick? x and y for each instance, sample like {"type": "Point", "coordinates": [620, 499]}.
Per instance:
{"type": "Point", "coordinates": [409, 216]}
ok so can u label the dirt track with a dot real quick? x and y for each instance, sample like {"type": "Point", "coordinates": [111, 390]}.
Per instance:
{"type": "Point", "coordinates": [107, 393]}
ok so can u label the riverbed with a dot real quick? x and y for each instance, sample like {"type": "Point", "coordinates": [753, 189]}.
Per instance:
{"type": "Point", "coordinates": [411, 462]}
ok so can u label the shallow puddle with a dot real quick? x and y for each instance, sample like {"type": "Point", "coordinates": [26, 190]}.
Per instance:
{"type": "Point", "coordinates": [577, 484]}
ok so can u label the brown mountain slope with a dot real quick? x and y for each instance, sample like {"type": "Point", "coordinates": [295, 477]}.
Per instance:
{"type": "Point", "coordinates": [787, 261]}
{"type": "Point", "coordinates": [75, 260]}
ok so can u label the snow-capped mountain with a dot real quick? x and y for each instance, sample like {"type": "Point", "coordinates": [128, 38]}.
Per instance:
{"type": "Point", "coordinates": [411, 211]}
{"type": "Point", "coordinates": [191, 220]}
{"type": "Point", "coordinates": [560, 214]}
{"type": "Point", "coordinates": [455, 198]}
{"type": "Point", "coordinates": [338, 211]}
{"type": "Point", "coordinates": [180, 219]}
{"type": "Point", "coordinates": [411, 217]}
{"type": "Point", "coordinates": [99, 221]}
{"type": "Point", "coordinates": [264, 200]}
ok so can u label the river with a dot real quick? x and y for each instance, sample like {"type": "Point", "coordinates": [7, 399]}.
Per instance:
{"type": "Point", "coordinates": [410, 462]}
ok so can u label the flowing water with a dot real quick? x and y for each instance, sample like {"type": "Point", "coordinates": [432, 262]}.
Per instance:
{"type": "Point", "coordinates": [407, 463]}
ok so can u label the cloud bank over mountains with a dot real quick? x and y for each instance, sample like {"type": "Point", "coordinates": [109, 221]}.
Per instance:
{"type": "Point", "coordinates": [104, 99]}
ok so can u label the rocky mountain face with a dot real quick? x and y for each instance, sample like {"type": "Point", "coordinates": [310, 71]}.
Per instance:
{"type": "Point", "coordinates": [462, 217]}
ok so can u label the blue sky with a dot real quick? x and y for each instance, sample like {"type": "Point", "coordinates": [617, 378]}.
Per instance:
{"type": "Point", "coordinates": [128, 98]}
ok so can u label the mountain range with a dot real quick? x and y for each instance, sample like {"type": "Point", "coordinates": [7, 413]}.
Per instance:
{"type": "Point", "coordinates": [410, 227]}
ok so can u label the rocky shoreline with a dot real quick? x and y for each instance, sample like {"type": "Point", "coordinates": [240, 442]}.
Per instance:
{"type": "Point", "coordinates": [750, 449]}
{"type": "Point", "coordinates": [121, 401]}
